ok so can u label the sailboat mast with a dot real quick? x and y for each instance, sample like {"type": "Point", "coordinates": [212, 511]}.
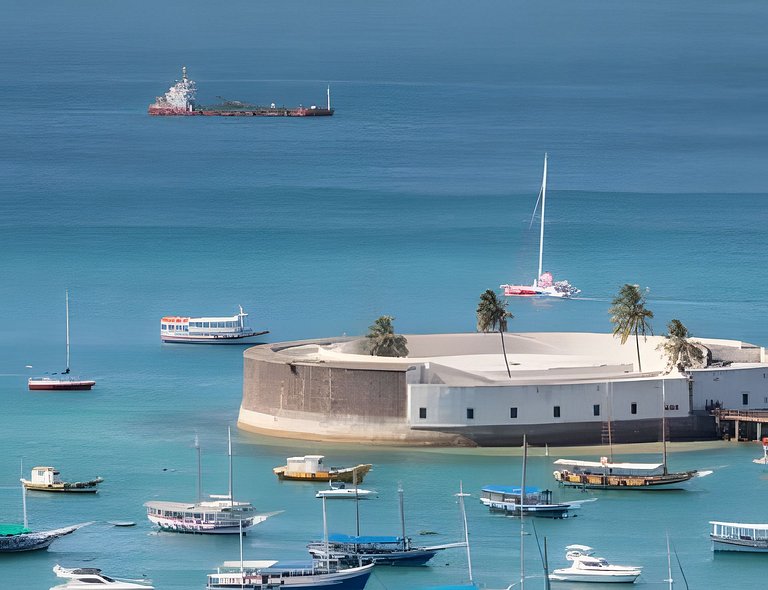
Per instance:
{"type": "Point", "coordinates": [23, 492]}
{"type": "Point", "coordinates": [199, 471]}
{"type": "Point", "coordinates": [66, 299]}
{"type": "Point", "coordinates": [669, 566]}
{"type": "Point", "coordinates": [402, 514]}
{"type": "Point", "coordinates": [325, 540]}
{"type": "Point", "coordinates": [543, 206]}
{"type": "Point", "coordinates": [229, 452]}
{"type": "Point", "coordinates": [357, 503]}
{"type": "Point", "coordinates": [664, 426]}
{"type": "Point", "coordinates": [461, 496]}
{"type": "Point", "coordinates": [522, 512]}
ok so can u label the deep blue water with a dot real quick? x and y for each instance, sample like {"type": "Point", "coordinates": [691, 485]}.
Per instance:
{"type": "Point", "coordinates": [413, 199]}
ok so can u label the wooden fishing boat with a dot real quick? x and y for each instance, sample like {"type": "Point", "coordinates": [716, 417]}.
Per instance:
{"type": "Point", "coordinates": [311, 468]}
{"type": "Point", "coordinates": [47, 479]}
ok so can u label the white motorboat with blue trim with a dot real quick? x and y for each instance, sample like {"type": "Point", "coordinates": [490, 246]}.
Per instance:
{"type": "Point", "coordinates": [87, 578]}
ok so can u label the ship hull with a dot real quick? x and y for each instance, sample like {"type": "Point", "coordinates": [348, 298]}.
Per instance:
{"type": "Point", "coordinates": [246, 112]}
{"type": "Point", "coordinates": [344, 475]}
{"type": "Point", "coordinates": [173, 526]}
{"type": "Point", "coordinates": [60, 385]}
{"type": "Point", "coordinates": [214, 339]}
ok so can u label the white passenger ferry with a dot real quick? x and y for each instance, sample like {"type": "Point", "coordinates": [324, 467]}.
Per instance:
{"type": "Point", "coordinates": [209, 330]}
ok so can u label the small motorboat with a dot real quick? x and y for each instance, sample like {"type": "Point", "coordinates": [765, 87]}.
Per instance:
{"type": "Point", "coordinates": [338, 490]}
{"type": "Point", "coordinates": [585, 567]}
{"type": "Point", "coordinates": [91, 577]}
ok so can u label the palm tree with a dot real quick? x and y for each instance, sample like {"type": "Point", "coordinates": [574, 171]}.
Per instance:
{"type": "Point", "coordinates": [629, 316]}
{"type": "Point", "coordinates": [682, 353]}
{"type": "Point", "coordinates": [492, 315]}
{"type": "Point", "coordinates": [382, 340]}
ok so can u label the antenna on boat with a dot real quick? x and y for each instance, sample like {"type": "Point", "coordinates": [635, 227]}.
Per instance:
{"type": "Point", "coordinates": [66, 299]}
{"type": "Point", "coordinates": [522, 512]}
{"type": "Point", "coordinates": [402, 512]}
{"type": "Point", "coordinates": [664, 425]}
{"type": "Point", "coordinates": [328, 96]}
{"type": "Point", "coordinates": [325, 540]}
{"type": "Point", "coordinates": [199, 471]}
{"type": "Point", "coordinates": [229, 452]}
{"type": "Point", "coordinates": [461, 495]}
{"type": "Point", "coordinates": [23, 492]}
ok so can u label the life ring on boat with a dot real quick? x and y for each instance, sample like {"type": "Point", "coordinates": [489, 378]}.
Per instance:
{"type": "Point", "coordinates": [558, 475]}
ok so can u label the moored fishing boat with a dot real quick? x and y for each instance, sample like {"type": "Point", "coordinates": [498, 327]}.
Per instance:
{"type": "Point", "coordinates": [536, 502]}
{"type": "Point", "coordinates": [739, 536]}
{"type": "Point", "coordinates": [585, 567]}
{"type": "Point", "coordinates": [63, 381]}
{"type": "Point", "coordinates": [18, 537]}
{"type": "Point", "coordinates": [620, 476]}
{"type": "Point", "coordinates": [340, 491]}
{"type": "Point", "coordinates": [47, 479]}
{"type": "Point", "coordinates": [209, 330]}
{"type": "Point", "coordinates": [85, 578]}
{"type": "Point", "coordinates": [312, 468]}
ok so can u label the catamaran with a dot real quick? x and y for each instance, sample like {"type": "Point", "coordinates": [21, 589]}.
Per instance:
{"type": "Point", "coordinates": [544, 285]}
{"type": "Point", "coordinates": [221, 514]}
{"type": "Point", "coordinates": [63, 381]}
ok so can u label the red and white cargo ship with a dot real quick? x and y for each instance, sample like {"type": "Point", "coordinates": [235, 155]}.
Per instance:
{"type": "Point", "coordinates": [209, 330]}
{"type": "Point", "coordinates": [180, 101]}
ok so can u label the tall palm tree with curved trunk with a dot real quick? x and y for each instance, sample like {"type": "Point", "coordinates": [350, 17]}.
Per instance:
{"type": "Point", "coordinates": [492, 315]}
{"type": "Point", "coordinates": [630, 316]}
{"type": "Point", "coordinates": [382, 340]}
{"type": "Point", "coordinates": [681, 352]}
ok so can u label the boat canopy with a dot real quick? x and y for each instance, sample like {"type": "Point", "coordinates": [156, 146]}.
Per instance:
{"type": "Point", "coordinates": [743, 525]}
{"type": "Point", "coordinates": [615, 468]}
{"type": "Point", "coordinates": [250, 564]}
{"type": "Point", "coordinates": [10, 530]}
{"type": "Point", "coordinates": [512, 490]}
{"type": "Point", "coordinates": [364, 540]}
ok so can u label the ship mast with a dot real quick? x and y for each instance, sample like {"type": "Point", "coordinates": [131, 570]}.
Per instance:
{"type": "Point", "coordinates": [541, 231]}
{"type": "Point", "coordinates": [328, 96]}
{"type": "Point", "coordinates": [229, 452]}
{"type": "Point", "coordinates": [67, 312]}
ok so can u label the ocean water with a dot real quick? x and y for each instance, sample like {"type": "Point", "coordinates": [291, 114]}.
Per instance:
{"type": "Point", "coordinates": [412, 200]}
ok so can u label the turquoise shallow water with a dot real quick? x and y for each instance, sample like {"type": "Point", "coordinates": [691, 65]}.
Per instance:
{"type": "Point", "coordinates": [411, 201]}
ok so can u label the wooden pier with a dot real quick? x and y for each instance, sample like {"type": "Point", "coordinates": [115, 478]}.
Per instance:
{"type": "Point", "coordinates": [739, 418]}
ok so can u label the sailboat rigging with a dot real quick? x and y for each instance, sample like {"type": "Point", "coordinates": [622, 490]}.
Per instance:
{"type": "Point", "coordinates": [543, 285]}
{"type": "Point", "coordinates": [63, 381]}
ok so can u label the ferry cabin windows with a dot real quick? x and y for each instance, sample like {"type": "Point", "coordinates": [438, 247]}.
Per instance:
{"type": "Point", "coordinates": [470, 413]}
{"type": "Point", "coordinates": [513, 412]}
{"type": "Point", "coordinates": [423, 413]}
{"type": "Point", "coordinates": [596, 409]}
{"type": "Point", "coordinates": [633, 408]}
{"type": "Point", "coordinates": [556, 412]}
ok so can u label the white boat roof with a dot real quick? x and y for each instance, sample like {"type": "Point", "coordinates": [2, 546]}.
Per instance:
{"type": "Point", "coordinates": [251, 564]}
{"type": "Point", "coordinates": [583, 548]}
{"type": "Point", "coordinates": [743, 525]}
{"type": "Point", "coordinates": [599, 465]}
{"type": "Point", "coordinates": [170, 505]}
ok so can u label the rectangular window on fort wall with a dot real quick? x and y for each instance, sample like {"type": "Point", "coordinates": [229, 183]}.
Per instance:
{"type": "Point", "coordinates": [633, 408]}
{"type": "Point", "coordinates": [596, 409]}
{"type": "Point", "coordinates": [470, 413]}
{"type": "Point", "coordinates": [744, 399]}
{"type": "Point", "coordinates": [556, 412]}
{"type": "Point", "coordinates": [422, 413]}
{"type": "Point", "coordinates": [513, 412]}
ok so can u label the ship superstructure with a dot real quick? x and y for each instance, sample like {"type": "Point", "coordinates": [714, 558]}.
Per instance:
{"type": "Point", "coordinates": [180, 101]}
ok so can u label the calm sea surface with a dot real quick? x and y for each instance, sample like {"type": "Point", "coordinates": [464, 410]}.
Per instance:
{"type": "Point", "coordinates": [413, 199]}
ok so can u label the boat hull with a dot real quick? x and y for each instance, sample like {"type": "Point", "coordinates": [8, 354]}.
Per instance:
{"type": "Point", "coordinates": [203, 528]}
{"type": "Point", "coordinates": [346, 475]}
{"type": "Point", "coordinates": [412, 558]}
{"type": "Point", "coordinates": [60, 488]}
{"type": "Point", "coordinates": [628, 578]}
{"type": "Point", "coordinates": [60, 384]}
{"type": "Point", "coordinates": [671, 481]}
{"type": "Point", "coordinates": [739, 545]}
{"type": "Point", "coordinates": [539, 510]}
{"type": "Point", "coordinates": [214, 339]}
{"type": "Point", "coordinates": [33, 541]}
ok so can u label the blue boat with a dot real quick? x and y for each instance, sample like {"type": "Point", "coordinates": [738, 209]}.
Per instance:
{"type": "Point", "coordinates": [263, 575]}
{"type": "Point", "coordinates": [536, 502]}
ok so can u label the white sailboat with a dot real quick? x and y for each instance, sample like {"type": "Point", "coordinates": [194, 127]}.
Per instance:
{"type": "Point", "coordinates": [61, 381]}
{"type": "Point", "coordinates": [543, 285]}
